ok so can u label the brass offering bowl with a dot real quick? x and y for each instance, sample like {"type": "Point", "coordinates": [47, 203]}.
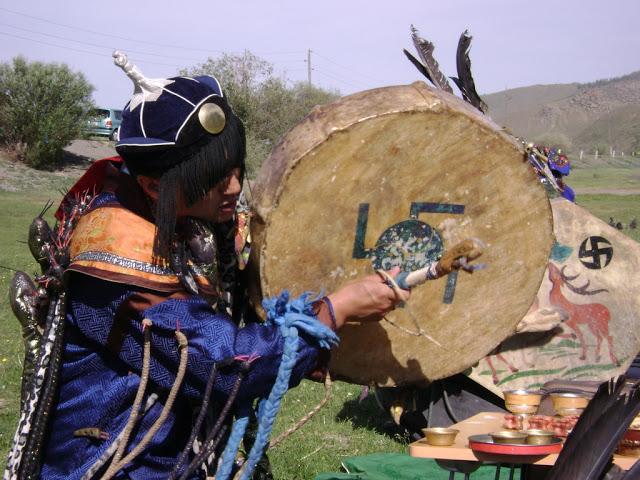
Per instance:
{"type": "Point", "coordinates": [522, 402]}
{"type": "Point", "coordinates": [440, 436]}
{"type": "Point", "coordinates": [635, 425]}
{"type": "Point", "coordinates": [517, 409]}
{"type": "Point", "coordinates": [569, 412]}
{"type": "Point", "coordinates": [508, 436]}
{"type": "Point", "coordinates": [538, 437]}
{"type": "Point", "coordinates": [568, 403]}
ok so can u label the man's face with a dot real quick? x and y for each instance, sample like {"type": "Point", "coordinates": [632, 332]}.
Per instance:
{"type": "Point", "coordinates": [219, 204]}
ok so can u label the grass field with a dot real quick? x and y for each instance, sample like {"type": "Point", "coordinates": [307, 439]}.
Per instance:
{"type": "Point", "coordinates": [605, 178]}
{"type": "Point", "coordinates": [623, 208]}
{"type": "Point", "coordinates": [596, 191]}
{"type": "Point", "coordinates": [345, 427]}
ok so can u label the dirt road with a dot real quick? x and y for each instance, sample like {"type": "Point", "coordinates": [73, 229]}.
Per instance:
{"type": "Point", "coordinates": [90, 149]}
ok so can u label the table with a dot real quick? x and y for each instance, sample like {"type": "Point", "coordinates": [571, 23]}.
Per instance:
{"type": "Point", "coordinates": [483, 423]}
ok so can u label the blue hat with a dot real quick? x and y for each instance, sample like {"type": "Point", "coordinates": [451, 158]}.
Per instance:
{"type": "Point", "coordinates": [182, 131]}
{"type": "Point", "coordinates": [169, 115]}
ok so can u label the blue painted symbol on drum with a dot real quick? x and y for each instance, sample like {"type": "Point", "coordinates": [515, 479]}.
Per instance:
{"type": "Point", "coordinates": [410, 244]}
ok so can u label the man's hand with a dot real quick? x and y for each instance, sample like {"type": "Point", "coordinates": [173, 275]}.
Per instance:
{"type": "Point", "coordinates": [366, 299]}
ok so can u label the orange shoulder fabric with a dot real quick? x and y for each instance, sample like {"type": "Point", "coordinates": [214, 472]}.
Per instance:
{"type": "Point", "coordinates": [115, 244]}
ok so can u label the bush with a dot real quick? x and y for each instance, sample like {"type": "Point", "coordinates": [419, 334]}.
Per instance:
{"type": "Point", "coordinates": [42, 108]}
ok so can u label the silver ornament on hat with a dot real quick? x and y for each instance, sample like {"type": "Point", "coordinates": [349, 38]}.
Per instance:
{"type": "Point", "coordinates": [212, 118]}
{"type": "Point", "coordinates": [146, 89]}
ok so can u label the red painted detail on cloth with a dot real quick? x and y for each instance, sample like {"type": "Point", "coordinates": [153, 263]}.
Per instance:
{"type": "Point", "coordinates": [595, 316]}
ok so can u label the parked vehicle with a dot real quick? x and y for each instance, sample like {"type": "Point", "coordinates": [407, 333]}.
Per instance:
{"type": "Point", "coordinates": [104, 121]}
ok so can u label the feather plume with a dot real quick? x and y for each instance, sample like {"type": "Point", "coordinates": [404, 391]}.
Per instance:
{"type": "Point", "coordinates": [464, 81]}
{"type": "Point", "coordinates": [425, 52]}
{"type": "Point", "coordinates": [421, 68]}
{"type": "Point", "coordinates": [588, 450]}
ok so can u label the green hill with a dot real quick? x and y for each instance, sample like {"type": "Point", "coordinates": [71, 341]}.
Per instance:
{"type": "Point", "coordinates": [603, 115]}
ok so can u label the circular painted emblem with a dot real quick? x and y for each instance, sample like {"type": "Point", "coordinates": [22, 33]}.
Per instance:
{"type": "Point", "coordinates": [410, 245]}
{"type": "Point", "coordinates": [595, 252]}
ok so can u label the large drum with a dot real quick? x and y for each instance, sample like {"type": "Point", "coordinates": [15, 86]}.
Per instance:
{"type": "Point", "coordinates": [393, 176]}
{"type": "Point", "coordinates": [587, 308]}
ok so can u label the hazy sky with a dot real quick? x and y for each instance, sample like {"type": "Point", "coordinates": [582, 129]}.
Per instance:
{"type": "Point", "coordinates": [355, 45]}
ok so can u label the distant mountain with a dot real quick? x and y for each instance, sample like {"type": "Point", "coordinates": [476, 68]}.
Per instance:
{"type": "Point", "coordinates": [603, 114]}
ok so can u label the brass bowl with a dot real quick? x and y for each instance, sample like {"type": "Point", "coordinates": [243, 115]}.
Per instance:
{"type": "Point", "coordinates": [508, 436]}
{"type": "Point", "coordinates": [440, 436]}
{"type": "Point", "coordinates": [519, 409]}
{"type": "Point", "coordinates": [538, 437]}
{"type": "Point", "coordinates": [563, 401]}
{"type": "Point", "coordinates": [522, 397]}
{"type": "Point", "coordinates": [569, 412]}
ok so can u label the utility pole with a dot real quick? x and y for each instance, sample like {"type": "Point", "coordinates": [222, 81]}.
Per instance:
{"type": "Point", "coordinates": [507, 97]}
{"type": "Point", "coordinates": [309, 66]}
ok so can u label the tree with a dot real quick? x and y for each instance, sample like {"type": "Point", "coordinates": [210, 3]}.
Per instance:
{"type": "Point", "coordinates": [42, 107]}
{"type": "Point", "coordinates": [268, 105]}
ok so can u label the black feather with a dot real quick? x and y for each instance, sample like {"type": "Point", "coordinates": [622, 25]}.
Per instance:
{"type": "Point", "coordinates": [418, 65]}
{"type": "Point", "coordinates": [588, 451]}
{"type": "Point", "coordinates": [465, 80]}
{"type": "Point", "coordinates": [603, 399]}
{"type": "Point", "coordinates": [614, 473]}
{"type": "Point", "coordinates": [425, 52]}
{"type": "Point", "coordinates": [460, 86]}
{"type": "Point", "coordinates": [606, 395]}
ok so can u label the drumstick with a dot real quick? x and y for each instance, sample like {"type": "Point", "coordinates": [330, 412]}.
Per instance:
{"type": "Point", "coordinates": [408, 280]}
{"type": "Point", "coordinates": [456, 258]}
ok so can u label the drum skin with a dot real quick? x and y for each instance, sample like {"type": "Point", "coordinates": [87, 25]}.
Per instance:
{"type": "Point", "coordinates": [393, 176]}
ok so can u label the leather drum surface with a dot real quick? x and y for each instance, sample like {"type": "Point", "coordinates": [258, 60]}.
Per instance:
{"type": "Point", "coordinates": [393, 176]}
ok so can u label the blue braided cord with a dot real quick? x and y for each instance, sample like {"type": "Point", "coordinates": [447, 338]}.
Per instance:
{"type": "Point", "coordinates": [290, 316]}
{"type": "Point", "coordinates": [269, 409]}
{"type": "Point", "coordinates": [228, 456]}
{"type": "Point", "coordinates": [299, 313]}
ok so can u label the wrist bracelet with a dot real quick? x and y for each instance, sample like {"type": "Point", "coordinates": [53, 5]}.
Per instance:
{"type": "Point", "coordinates": [332, 313]}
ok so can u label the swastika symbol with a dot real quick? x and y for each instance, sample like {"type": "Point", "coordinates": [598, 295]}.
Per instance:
{"type": "Point", "coordinates": [591, 251]}
{"type": "Point", "coordinates": [410, 244]}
